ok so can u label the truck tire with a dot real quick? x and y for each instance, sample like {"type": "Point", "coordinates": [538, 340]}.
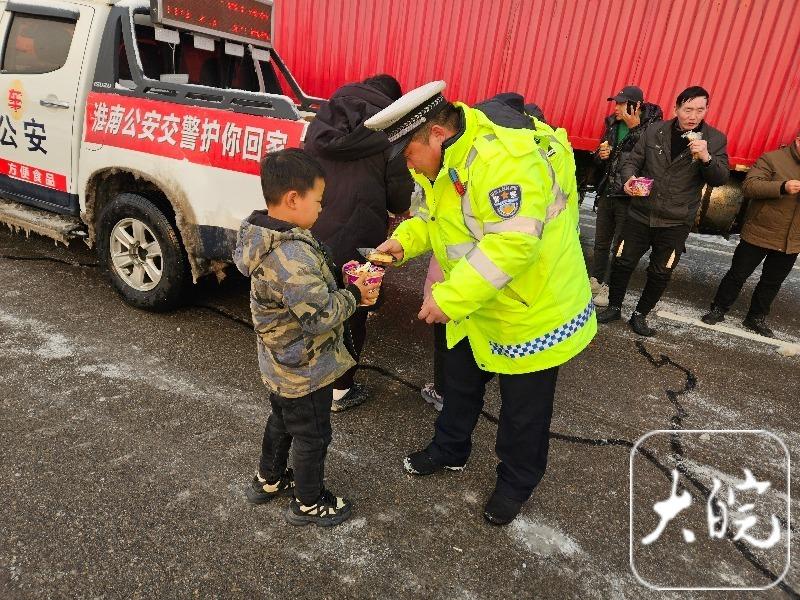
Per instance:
{"type": "Point", "coordinates": [142, 253]}
{"type": "Point", "coordinates": [722, 209]}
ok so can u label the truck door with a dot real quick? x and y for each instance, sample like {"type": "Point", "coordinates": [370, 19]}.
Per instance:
{"type": "Point", "coordinates": [43, 55]}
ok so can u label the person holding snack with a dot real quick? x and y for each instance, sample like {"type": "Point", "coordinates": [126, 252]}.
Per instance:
{"type": "Point", "coordinates": [502, 223]}
{"type": "Point", "coordinates": [679, 156]}
{"type": "Point", "coordinates": [623, 128]}
{"type": "Point", "coordinates": [363, 187]}
{"type": "Point", "coordinates": [771, 234]}
{"type": "Point", "coordinates": [299, 312]}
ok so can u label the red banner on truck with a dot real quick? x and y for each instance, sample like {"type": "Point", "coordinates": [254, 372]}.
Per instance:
{"type": "Point", "coordinates": [204, 136]}
{"type": "Point", "coordinates": [35, 175]}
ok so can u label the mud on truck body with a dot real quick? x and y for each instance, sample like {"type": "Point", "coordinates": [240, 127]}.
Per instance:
{"type": "Point", "coordinates": [139, 128]}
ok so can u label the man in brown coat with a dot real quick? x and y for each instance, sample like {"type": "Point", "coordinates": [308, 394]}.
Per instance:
{"type": "Point", "coordinates": [771, 233]}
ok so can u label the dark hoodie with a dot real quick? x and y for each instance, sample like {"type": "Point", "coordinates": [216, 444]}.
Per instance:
{"type": "Point", "coordinates": [509, 110]}
{"type": "Point", "coordinates": [360, 187]}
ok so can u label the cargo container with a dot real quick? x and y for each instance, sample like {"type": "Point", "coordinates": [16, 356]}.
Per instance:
{"type": "Point", "coordinates": [568, 56]}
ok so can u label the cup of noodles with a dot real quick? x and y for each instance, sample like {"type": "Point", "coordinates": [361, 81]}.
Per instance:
{"type": "Point", "coordinates": [641, 186]}
{"type": "Point", "coordinates": [353, 270]}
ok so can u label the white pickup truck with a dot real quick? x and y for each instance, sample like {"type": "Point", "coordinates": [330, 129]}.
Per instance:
{"type": "Point", "coordinates": [139, 126]}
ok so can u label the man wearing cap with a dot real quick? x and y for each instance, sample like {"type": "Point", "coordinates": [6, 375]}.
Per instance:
{"type": "Point", "coordinates": [515, 296]}
{"type": "Point", "coordinates": [680, 156]}
{"type": "Point", "coordinates": [623, 128]}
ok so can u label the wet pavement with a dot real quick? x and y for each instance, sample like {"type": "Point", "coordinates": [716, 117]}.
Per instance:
{"type": "Point", "coordinates": [128, 438]}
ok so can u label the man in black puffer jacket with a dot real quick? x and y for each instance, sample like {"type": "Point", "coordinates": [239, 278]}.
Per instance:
{"type": "Point", "coordinates": [623, 128]}
{"type": "Point", "coordinates": [361, 186]}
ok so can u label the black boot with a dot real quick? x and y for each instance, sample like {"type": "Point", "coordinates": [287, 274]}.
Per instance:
{"type": "Point", "coordinates": [501, 510]}
{"type": "Point", "coordinates": [638, 323]}
{"type": "Point", "coordinates": [422, 463]}
{"type": "Point", "coordinates": [612, 313]}
{"type": "Point", "coordinates": [758, 324]}
{"type": "Point", "coordinates": [717, 315]}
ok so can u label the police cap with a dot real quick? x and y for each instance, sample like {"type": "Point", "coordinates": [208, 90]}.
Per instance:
{"type": "Point", "coordinates": [406, 115]}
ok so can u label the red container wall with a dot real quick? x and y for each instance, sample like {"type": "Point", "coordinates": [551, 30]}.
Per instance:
{"type": "Point", "coordinates": [568, 56]}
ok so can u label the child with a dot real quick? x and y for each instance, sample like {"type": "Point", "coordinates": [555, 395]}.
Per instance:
{"type": "Point", "coordinates": [299, 313]}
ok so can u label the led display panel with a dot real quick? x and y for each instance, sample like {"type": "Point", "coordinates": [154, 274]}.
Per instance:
{"type": "Point", "coordinates": [248, 21]}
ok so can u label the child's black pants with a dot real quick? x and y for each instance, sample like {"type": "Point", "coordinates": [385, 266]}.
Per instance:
{"type": "Point", "coordinates": [305, 424]}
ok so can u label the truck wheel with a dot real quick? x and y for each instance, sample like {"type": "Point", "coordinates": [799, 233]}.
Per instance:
{"type": "Point", "coordinates": [142, 252]}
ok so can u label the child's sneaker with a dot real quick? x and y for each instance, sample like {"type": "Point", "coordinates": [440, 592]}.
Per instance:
{"type": "Point", "coordinates": [431, 396]}
{"type": "Point", "coordinates": [260, 490]}
{"type": "Point", "coordinates": [328, 511]}
{"type": "Point", "coordinates": [355, 396]}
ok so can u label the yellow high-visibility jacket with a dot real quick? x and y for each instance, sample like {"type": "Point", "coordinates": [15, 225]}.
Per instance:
{"type": "Point", "coordinates": [505, 232]}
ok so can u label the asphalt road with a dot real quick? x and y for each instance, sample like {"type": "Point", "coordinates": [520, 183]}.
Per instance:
{"type": "Point", "coordinates": [127, 439]}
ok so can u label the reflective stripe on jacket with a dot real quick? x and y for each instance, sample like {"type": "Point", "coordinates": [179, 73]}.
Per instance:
{"type": "Point", "coordinates": [515, 279]}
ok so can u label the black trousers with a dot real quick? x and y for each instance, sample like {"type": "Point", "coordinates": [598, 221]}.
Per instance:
{"type": "Point", "coordinates": [523, 434]}
{"type": "Point", "coordinates": [746, 258]}
{"type": "Point", "coordinates": [358, 328]}
{"type": "Point", "coordinates": [303, 424]}
{"type": "Point", "coordinates": [667, 243]}
{"type": "Point", "coordinates": [611, 215]}
{"type": "Point", "coordinates": [439, 349]}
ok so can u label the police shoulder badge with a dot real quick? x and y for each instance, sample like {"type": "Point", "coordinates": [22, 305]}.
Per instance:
{"type": "Point", "coordinates": [506, 200]}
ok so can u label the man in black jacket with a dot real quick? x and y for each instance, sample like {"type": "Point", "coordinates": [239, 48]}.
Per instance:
{"type": "Point", "coordinates": [681, 156]}
{"type": "Point", "coordinates": [623, 128]}
{"type": "Point", "coordinates": [362, 186]}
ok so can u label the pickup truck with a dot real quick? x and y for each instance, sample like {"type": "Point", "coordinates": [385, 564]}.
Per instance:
{"type": "Point", "coordinates": [140, 138]}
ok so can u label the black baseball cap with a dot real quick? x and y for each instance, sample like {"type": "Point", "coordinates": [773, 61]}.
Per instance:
{"type": "Point", "coordinates": [630, 93]}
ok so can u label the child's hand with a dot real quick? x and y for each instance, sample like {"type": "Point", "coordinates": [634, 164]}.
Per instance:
{"type": "Point", "coordinates": [369, 291]}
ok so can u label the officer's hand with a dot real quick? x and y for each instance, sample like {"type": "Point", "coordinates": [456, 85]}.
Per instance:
{"type": "Point", "coordinates": [699, 149]}
{"type": "Point", "coordinates": [431, 313]}
{"type": "Point", "coordinates": [793, 186]}
{"type": "Point", "coordinates": [392, 247]}
{"type": "Point", "coordinates": [604, 151]}
{"type": "Point", "coordinates": [627, 187]}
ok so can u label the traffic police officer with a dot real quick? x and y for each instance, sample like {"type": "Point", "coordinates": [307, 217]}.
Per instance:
{"type": "Point", "coordinates": [516, 296]}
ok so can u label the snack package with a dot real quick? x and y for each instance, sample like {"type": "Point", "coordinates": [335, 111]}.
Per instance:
{"type": "Point", "coordinates": [641, 186]}
{"type": "Point", "coordinates": [380, 258]}
{"type": "Point", "coordinates": [692, 136]}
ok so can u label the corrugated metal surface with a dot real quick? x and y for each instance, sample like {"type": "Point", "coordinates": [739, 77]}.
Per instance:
{"type": "Point", "coordinates": [568, 56]}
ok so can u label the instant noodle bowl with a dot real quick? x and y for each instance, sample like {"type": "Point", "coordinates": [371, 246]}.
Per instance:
{"type": "Point", "coordinates": [354, 270]}
{"type": "Point", "coordinates": [641, 186]}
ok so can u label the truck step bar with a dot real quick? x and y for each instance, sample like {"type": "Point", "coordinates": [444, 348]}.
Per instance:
{"type": "Point", "coordinates": [58, 227]}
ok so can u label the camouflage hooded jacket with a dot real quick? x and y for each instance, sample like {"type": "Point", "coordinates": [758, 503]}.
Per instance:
{"type": "Point", "coordinates": [298, 309]}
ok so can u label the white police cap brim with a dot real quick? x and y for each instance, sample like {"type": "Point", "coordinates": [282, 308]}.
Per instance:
{"type": "Point", "coordinates": [408, 113]}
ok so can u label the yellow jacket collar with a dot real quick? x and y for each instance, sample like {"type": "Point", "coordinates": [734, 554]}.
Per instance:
{"type": "Point", "coordinates": [456, 154]}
